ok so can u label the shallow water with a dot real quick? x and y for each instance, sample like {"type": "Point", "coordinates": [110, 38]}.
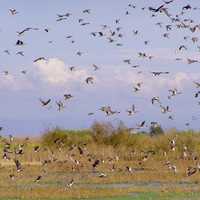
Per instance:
{"type": "Point", "coordinates": [148, 185]}
{"type": "Point", "coordinates": [153, 184]}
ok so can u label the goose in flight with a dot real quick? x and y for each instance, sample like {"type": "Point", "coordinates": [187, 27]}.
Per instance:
{"type": "Point", "coordinates": [85, 23]}
{"type": "Point", "coordinates": [61, 19]}
{"type": "Point", "coordinates": [197, 84]}
{"type": "Point", "coordinates": [23, 71]}
{"type": "Point", "coordinates": [197, 94]}
{"type": "Point", "coordinates": [135, 66]}
{"type": "Point", "coordinates": [60, 105]}
{"type": "Point", "coordinates": [128, 61]}
{"type": "Point", "coordinates": [90, 113]}
{"type": "Point", "coordinates": [39, 59]}
{"type": "Point", "coordinates": [172, 144]}
{"type": "Point", "coordinates": [164, 109]}
{"type": "Point", "coordinates": [132, 110]}
{"type": "Point", "coordinates": [36, 148]}
{"type": "Point", "coordinates": [192, 170]}
{"type": "Point", "coordinates": [19, 43]}
{"type": "Point", "coordinates": [135, 32]}
{"type": "Point", "coordinates": [155, 124]}
{"type": "Point", "coordinates": [95, 67]}
{"type": "Point", "coordinates": [191, 61]}
{"type": "Point", "coordinates": [159, 73]}
{"type": "Point", "coordinates": [63, 15]}
{"type": "Point", "coordinates": [88, 11]}
{"type": "Point", "coordinates": [129, 169]}
{"type": "Point", "coordinates": [89, 80]}
{"type": "Point", "coordinates": [70, 184]}
{"type": "Point", "coordinates": [12, 176]}
{"type": "Point", "coordinates": [156, 9]}
{"type": "Point", "coordinates": [18, 165]}
{"type": "Point", "coordinates": [72, 68]}
{"type": "Point", "coordinates": [137, 88]}
{"type": "Point", "coordinates": [106, 109]}
{"type": "Point", "coordinates": [155, 99]}
{"type": "Point", "coordinates": [96, 163]}
{"type": "Point", "coordinates": [21, 53]}
{"type": "Point", "coordinates": [38, 179]}
{"type": "Point", "coordinates": [67, 96]}
{"type": "Point", "coordinates": [45, 103]}
{"type": "Point", "coordinates": [182, 47]}
{"type": "Point", "coordinates": [173, 92]}
{"type": "Point", "coordinates": [173, 168]}
{"type": "Point", "coordinates": [79, 53]}
{"type": "Point", "coordinates": [6, 72]}
{"type": "Point", "coordinates": [187, 7]}
{"type": "Point", "coordinates": [25, 30]}
{"type": "Point", "coordinates": [168, 2]}
{"type": "Point", "coordinates": [7, 52]}
{"type": "Point", "coordinates": [102, 175]}
{"type": "Point", "coordinates": [46, 30]}
{"type": "Point", "coordinates": [195, 39]}
{"type": "Point", "coordinates": [166, 35]}
{"type": "Point", "coordinates": [13, 11]}
{"type": "Point", "coordinates": [141, 125]}
{"type": "Point", "coordinates": [159, 24]}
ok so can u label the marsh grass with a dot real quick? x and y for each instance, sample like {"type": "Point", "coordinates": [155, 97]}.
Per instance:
{"type": "Point", "coordinates": [107, 143]}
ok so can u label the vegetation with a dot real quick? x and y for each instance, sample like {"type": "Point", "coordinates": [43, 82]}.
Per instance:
{"type": "Point", "coordinates": [120, 137]}
{"type": "Point", "coordinates": [59, 159]}
{"type": "Point", "coordinates": [67, 137]}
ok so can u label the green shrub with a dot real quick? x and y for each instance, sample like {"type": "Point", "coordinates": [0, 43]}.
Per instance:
{"type": "Point", "coordinates": [56, 137]}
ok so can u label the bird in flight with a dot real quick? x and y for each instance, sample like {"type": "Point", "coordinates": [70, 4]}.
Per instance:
{"type": "Point", "coordinates": [39, 59]}
{"type": "Point", "coordinates": [45, 103]}
{"type": "Point", "coordinates": [89, 80]}
{"type": "Point", "coordinates": [13, 11]}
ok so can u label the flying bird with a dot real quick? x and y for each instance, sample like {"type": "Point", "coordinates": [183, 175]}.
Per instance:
{"type": "Point", "coordinates": [89, 80]}
{"type": "Point", "coordinates": [45, 103]}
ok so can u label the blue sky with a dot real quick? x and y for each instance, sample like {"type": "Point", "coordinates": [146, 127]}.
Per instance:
{"type": "Point", "coordinates": [21, 112]}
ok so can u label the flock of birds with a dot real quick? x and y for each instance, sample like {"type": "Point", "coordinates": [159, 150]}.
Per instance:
{"type": "Point", "coordinates": [114, 36]}
{"type": "Point", "coordinates": [80, 157]}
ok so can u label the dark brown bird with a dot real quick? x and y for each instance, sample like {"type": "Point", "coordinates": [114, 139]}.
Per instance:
{"type": "Point", "coordinates": [89, 80]}
{"type": "Point", "coordinates": [45, 103]}
{"type": "Point", "coordinates": [156, 9]}
{"type": "Point", "coordinates": [39, 59]}
{"type": "Point", "coordinates": [18, 165]}
{"type": "Point", "coordinates": [19, 43]}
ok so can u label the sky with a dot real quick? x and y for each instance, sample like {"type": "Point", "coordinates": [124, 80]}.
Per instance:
{"type": "Point", "coordinates": [21, 111]}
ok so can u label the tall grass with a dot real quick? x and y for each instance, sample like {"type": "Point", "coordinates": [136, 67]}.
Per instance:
{"type": "Point", "coordinates": [120, 137]}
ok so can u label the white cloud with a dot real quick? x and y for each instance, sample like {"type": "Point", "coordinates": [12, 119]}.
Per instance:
{"type": "Point", "coordinates": [54, 71]}
{"type": "Point", "coordinates": [179, 80]}
{"type": "Point", "coordinates": [15, 82]}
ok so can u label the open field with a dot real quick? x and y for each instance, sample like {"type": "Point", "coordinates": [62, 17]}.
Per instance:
{"type": "Point", "coordinates": [62, 165]}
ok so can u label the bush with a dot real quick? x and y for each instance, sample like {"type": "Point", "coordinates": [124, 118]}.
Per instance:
{"type": "Point", "coordinates": [120, 137]}
{"type": "Point", "coordinates": [56, 137]}
{"type": "Point", "coordinates": [156, 130]}
{"type": "Point", "coordinates": [101, 132]}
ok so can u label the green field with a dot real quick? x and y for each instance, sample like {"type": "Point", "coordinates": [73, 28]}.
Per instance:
{"type": "Point", "coordinates": [136, 196]}
{"type": "Point", "coordinates": [157, 196]}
